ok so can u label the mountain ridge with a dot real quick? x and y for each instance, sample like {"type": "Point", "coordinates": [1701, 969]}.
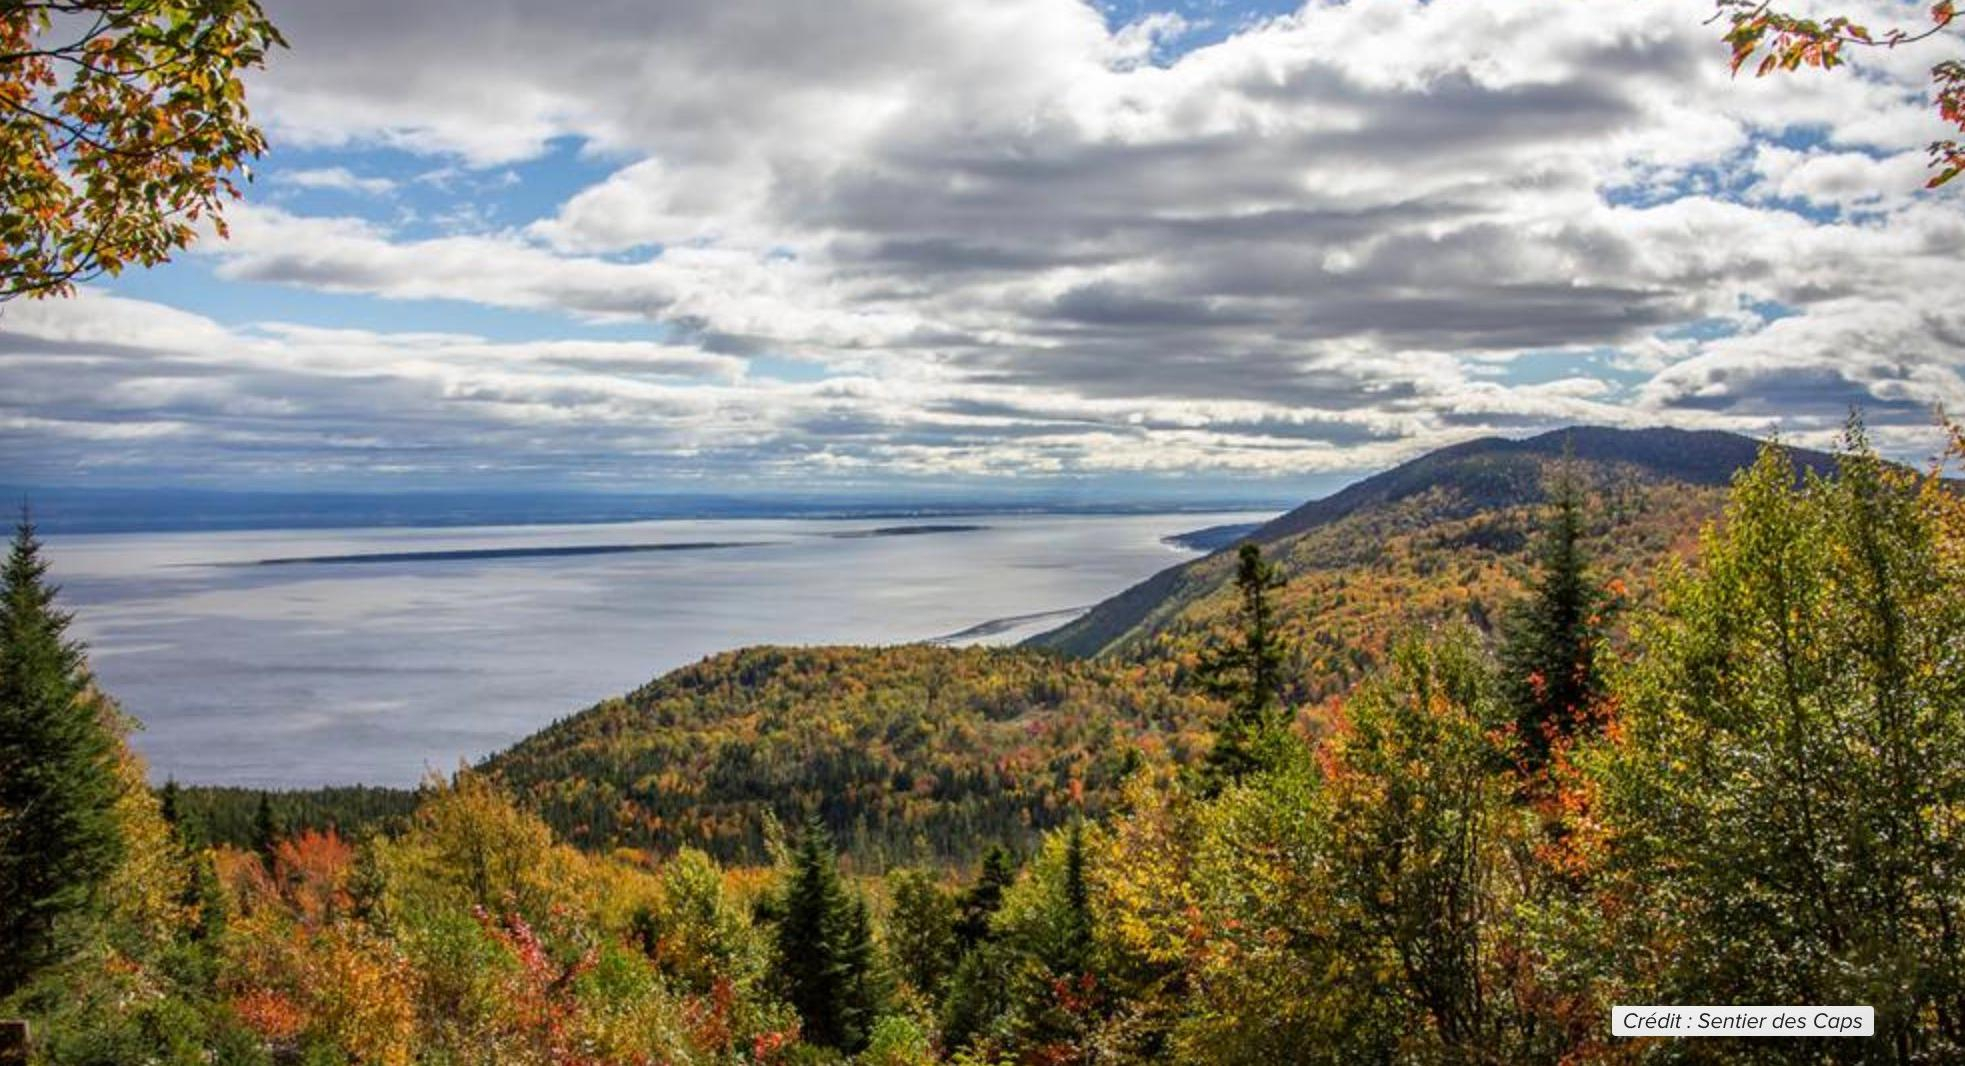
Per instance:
{"type": "Point", "coordinates": [1488, 471]}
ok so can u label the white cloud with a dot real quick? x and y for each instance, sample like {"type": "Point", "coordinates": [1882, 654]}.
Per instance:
{"type": "Point", "coordinates": [1839, 179]}
{"type": "Point", "coordinates": [1018, 240]}
{"type": "Point", "coordinates": [339, 179]}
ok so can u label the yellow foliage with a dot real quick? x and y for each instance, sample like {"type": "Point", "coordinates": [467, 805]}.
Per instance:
{"type": "Point", "coordinates": [147, 888]}
{"type": "Point", "coordinates": [1140, 866]}
{"type": "Point", "coordinates": [470, 844]}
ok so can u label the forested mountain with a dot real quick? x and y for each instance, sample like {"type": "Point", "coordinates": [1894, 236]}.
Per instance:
{"type": "Point", "coordinates": [923, 752]}
{"type": "Point", "coordinates": [1434, 539]}
{"type": "Point", "coordinates": [915, 750]}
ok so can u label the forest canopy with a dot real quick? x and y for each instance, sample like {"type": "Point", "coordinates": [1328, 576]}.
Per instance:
{"type": "Point", "coordinates": [1751, 796]}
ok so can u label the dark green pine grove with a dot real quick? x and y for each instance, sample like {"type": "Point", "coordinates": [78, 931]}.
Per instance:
{"type": "Point", "coordinates": [58, 781]}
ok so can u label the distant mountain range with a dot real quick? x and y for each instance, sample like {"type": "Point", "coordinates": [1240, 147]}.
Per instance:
{"type": "Point", "coordinates": [1487, 477]}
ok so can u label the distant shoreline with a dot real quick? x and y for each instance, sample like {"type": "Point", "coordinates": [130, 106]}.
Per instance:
{"type": "Point", "coordinates": [1213, 538]}
{"type": "Point", "coordinates": [100, 512]}
{"type": "Point", "coordinates": [1004, 625]}
{"type": "Point", "coordinates": [464, 554]}
{"type": "Point", "coordinates": [561, 551]}
{"type": "Point", "coordinates": [904, 531]}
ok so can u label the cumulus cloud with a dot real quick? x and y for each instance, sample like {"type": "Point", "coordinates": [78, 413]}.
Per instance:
{"type": "Point", "coordinates": [339, 179]}
{"type": "Point", "coordinates": [1012, 238]}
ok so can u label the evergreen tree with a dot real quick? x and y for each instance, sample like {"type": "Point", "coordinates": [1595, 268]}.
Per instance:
{"type": "Point", "coordinates": [1248, 672]}
{"type": "Point", "coordinates": [1075, 942]}
{"type": "Point", "coordinates": [58, 773]}
{"type": "Point", "coordinates": [265, 828]}
{"type": "Point", "coordinates": [863, 984]}
{"type": "Point", "coordinates": [983, 898]}
{"type": "Point", "coordinates": [1550, 638]}
{"type": "Point", "coordinates": [825, 949]}
{"type": "Point", "coordinates": [168, 802]}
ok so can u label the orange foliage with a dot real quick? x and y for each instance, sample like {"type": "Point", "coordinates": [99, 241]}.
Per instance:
{"type": "Point", "coordinates": [272, 1015]}
{"type": "Point", "coordinates": [312, 871]}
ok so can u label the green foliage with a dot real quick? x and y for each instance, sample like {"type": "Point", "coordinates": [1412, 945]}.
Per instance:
{"type": "Point", "coordinates": [266, 830]}
{"type": "Point", "coordinates": [826, 953]}
{"type": "Point", "coordinates": [214, 814]}
{"type": "Point", "coordinates": [1553, 636]}
{"type": "Point", "coordinates": [1246, 671]}
{"type": "Point", "coordinates": [1033, 988]}
{"type": "Point", "coordinates": [982, 899]}
{"type": "Point", "coordinates": [1780, 820]}
{"type": "Point", "coordinates": [921, 937]}
{"type": "Point", "coordinates": [59, 839]}
{"type": "Point", "coordinates": [697, 932]}
{"type": "Point", "coordinates": [906, 754]}
{"type": "Point", "coordinates": [96, 1009]}
{"type": "Point", "coordinates": [978, 997]}
{"type": "Point", "coordinates": [896, 1041]}
{"type": "Point", "coordinates": [1423, 873]}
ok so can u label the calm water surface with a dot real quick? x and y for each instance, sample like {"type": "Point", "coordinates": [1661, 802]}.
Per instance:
{"type": "Point", "coordinates": [376, 670]}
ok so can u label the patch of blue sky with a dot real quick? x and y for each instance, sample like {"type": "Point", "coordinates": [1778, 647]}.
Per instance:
{"type": "Point", "coordinates": [1730, 179]}
{"type": "Point", "coordinates": [191, 284]}
{"type": "Point", "coordinates": [1734, 178]}
{"type": "Point", "coordinates": [1543, 366]}
{"type": "Point", "coordinates": [1712, 329]}
{"type": "Point", "coordinates": [1770, 310]}
{"type": "Point", "coordinates": [424, 196]}
{"type": "Point", "coordinates": [781, 368]}
{"type": "Point", "coordinates": [1207, 21]}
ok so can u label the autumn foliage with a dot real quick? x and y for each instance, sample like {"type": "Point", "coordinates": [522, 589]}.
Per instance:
{"type": "Point", "coordinates": [122, 128]}
{"type": "Point", "coordinates": [1764, 809]}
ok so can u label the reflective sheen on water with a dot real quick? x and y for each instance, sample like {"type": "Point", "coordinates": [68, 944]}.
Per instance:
{"type": "Point", "coordinates": [375, 655]}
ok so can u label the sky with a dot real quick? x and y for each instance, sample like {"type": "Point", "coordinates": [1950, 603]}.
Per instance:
{"type": "Point", "coordinates": [1209, 249]}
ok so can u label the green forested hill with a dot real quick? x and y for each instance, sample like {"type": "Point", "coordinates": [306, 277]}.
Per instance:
{"type": "Point", "coordinates": [1437, 538]}
{"type": "Point", "coordinates": [902, 751]}
{"type": "Point", "coordinates": [924, 751]}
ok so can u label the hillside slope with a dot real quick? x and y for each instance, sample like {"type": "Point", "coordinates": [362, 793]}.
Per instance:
{"type": "Point", "coordinates": [918, 751]}
{"type": "Point", "coordinates": [1475, 500]}
{"type": "Point", "coordinates": [903, 751]}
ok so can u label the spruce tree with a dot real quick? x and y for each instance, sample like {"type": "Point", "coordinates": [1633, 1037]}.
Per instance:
{"type": "Point", "coordinates": [921, 930]}
{"type": "Point", "coordinates": [1075, 942]}
{"type": "Point", "coordinates": [983, 898]}
{"type": "Point", "coordinates": [863, 983]}
{"type": "Point", "coordinates": [825, 949]}
{"type": "Point", "coordinates": [1248, 672]}
{"type": "Point", "coordinates": [59, 838]}
{"type": "Point", "coordinates": [1550, 638]}
{"type": "Point", "coordinates": [265, 828]}
{"type": "Point", "coordinates": [168, 802]}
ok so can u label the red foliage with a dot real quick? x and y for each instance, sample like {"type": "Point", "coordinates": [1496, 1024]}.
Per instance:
{"type": "Point", "coordinates": [541, 998]}
{"type": "Point", "coordinates": [312, 870]}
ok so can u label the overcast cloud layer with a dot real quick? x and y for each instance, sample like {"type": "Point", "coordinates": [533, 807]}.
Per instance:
{"type": "Point", "coordinates": [872, 239]}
